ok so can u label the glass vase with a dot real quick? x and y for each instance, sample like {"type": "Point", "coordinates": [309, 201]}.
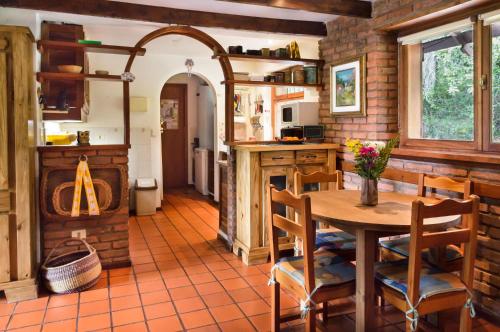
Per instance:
{"type": "Point", "coordinates": [369, 191]}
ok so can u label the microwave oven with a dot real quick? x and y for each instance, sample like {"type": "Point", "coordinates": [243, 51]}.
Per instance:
{"type": "Point", "coordinates": [298, 114]}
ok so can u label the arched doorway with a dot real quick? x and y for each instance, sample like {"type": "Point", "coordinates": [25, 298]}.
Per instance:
{"type": "Point", "coordinates": [206, 40]}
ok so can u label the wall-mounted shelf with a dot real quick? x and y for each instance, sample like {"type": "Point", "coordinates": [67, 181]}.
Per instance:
{"type": "Point", "coordinates": [45, 76]}
{"type": "Point", "coordinates": [246, 57]}
{"type": "Point", "coordinates": [262, 83]}
{"type": "Point", "coordinates": [89, 48]}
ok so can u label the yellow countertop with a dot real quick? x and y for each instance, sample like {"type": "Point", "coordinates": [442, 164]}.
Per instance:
{"type": "Point", "coordinates": [284, 147]}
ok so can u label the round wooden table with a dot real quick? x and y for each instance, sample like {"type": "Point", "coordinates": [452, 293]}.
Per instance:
{"type": "Point", "coordinates": [391, 216]}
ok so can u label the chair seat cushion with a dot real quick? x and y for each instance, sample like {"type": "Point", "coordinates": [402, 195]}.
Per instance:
{"type": "Point", "coordinates": [401, 246]}
{"type": "Point", "coordinates": [329, 269]}
{"type": "Point", "coordinates": [433, 281]}
{"type": "Point", "coordinates": [335, 240]}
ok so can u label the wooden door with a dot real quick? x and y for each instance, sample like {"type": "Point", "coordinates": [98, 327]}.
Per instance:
{"type": "Point", "coordinates": [173, 103]}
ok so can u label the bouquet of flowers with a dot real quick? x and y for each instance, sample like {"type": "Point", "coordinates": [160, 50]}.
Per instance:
{"type": "Point", "coordinates": [371, 157]}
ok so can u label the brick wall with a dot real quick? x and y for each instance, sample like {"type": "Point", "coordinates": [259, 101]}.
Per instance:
{"type": "Point", "coordinates": [351, 37]}
{"type": "Point", "coordinates": [108, 233]}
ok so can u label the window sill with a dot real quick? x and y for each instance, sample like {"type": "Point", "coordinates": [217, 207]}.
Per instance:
{"type": "Point", "coordinates": [468, 157]}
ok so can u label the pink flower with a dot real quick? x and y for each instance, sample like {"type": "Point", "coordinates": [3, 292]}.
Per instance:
{"type": "Point", "coordinates": [368, 151]}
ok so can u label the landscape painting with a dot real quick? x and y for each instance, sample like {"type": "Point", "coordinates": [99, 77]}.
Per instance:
{"type": "Point", "coordinates": [348, 88]}
{"type": "Point", "coordinates": [345, 82]}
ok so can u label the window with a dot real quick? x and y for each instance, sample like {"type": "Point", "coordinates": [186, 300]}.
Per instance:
{"type": "Point", "coordinates": [495, 82]}
{"type": "Point", "coordinates": [446, 75]}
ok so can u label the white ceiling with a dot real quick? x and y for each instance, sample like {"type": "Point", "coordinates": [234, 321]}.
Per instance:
{"type": "Point", "coordinates": [237, 9]}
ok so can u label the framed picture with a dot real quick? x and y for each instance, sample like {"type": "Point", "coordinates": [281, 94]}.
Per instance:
{"type": "Point", "coordinates": [169, 110]}
{"type": "Point", "coordinates": [348, 88]}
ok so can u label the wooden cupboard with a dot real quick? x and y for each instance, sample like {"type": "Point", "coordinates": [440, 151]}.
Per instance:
{"type": "Point", "coordinates": [258, 166]}
{"type": "Point", "coordinates": [17, 164]}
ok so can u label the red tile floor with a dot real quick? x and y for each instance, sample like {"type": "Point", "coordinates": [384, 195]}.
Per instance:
{"type": "Point", "coordinates": [181, 278]}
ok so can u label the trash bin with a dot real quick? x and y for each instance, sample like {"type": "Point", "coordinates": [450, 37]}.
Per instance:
{"type": "Point", "coordinates": [145, 196]}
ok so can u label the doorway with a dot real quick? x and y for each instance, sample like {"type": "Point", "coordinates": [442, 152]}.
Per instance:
{"type": "Point", "coordinates": [173, 104]}
{"type": "Point", "coordinates": [199, 133]}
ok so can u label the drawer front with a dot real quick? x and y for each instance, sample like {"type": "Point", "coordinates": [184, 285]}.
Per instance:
{"type": "Point", "coordinates": [274, 158]}
{"type": "Point", "coordinates": [312, 157]}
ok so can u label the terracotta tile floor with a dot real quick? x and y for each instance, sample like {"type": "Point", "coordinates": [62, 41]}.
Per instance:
{"type": "Point", "coordinates": [181, 278]}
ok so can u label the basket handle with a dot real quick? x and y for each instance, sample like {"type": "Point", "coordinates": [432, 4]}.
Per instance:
{"type": "Point", "coordinates": [49, 256]}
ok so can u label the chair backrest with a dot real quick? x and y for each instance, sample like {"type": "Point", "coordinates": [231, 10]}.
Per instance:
{"type": "Point", "coordinates": [443, 183]}
{"type": "Point", "coordinates": [303, 229]}
{"type": "Point", "coordinates": [466, 235]}
{"type": "Point", "coordinates": [317, 177]}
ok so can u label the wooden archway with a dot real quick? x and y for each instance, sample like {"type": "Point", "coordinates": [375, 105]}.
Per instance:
{"type": "Point", "coordinates": [209, 42]}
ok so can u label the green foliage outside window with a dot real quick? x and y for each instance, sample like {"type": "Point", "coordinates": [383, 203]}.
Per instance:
{"type": "Point", "coordinates": [495, 61]}
{"type": "Point", "coordinates": [448, 98]}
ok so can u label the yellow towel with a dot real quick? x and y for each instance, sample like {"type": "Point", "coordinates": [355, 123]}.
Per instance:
{"type": "Point", "coordinates": [83, 175]}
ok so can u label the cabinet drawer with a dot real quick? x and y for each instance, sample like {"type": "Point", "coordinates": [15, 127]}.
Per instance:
{"type": "Point", "coordinates": [312, 157]}
{"type": "Point", "coordinates": [274, 158]}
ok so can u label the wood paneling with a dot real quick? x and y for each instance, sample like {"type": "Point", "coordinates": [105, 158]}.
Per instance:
{"type": "Point", "coordinates": [167, 15]}
{"type": "Point", "coordinates": [17, 153]}
{"type": "Point", "coordinates": [335, 7]}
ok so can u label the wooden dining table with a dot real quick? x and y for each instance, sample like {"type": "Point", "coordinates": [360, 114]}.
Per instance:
{"type": "Point", "coordinates": [342, 209]}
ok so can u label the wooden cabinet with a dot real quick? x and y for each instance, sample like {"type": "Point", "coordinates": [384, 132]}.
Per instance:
{"type": "Point", "coordinates": [257, 166]}
{"type": "Point", "coordinates": [54, 91]}
{"type": "Point", "coordinates": [17, 167]}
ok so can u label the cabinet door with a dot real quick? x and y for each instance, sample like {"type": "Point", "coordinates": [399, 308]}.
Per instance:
{"type": "Point", "coordinates": [282, 178]}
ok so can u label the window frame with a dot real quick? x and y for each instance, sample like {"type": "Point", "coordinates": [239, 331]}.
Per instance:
{"type": "Point", "coordinates": [482, 141]}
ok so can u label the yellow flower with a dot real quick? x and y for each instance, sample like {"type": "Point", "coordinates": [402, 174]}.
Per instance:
{"type": "Point", "coordinates": [353, 145]}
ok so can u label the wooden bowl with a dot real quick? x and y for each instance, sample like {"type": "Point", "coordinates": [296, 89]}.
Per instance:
{"type": "Point", "coordinates": [73, 69]}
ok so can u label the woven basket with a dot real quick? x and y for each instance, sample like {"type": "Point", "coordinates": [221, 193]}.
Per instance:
{"type": "Point", "coordinates": [73, 271]}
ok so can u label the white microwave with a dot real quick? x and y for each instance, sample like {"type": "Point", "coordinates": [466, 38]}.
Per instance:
{"type": "Point", "coordinates": [298, 114]}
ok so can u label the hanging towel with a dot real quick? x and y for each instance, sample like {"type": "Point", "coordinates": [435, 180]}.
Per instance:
{"type": "Point", "coordinates": [83, 175]}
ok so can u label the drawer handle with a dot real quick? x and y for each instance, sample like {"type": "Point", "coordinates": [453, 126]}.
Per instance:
{"type": "Point", "coordinates": [277, 158]}
{"type": "Point", "coordinates": [312, 156]}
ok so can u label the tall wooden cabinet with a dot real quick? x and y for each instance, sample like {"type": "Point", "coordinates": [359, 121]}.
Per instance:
{"type": "Point", "coordinates": [257, 166]}
{"type": "Point", "coordinates": [17, 164]}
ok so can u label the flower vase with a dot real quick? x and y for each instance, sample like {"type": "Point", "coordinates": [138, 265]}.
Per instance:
{"type": "Point", "coordinates": [369, 192]}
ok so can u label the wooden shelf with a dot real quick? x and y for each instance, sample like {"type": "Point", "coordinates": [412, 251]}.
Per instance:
{"type": "Point", "coordinates": [110, 49]}
{"type": "Point", "coordinates": [262, 83]}
{"type": "Point", "coordinates": [246, 57]}
{"type": "Point", "coordinates": [41, 76]}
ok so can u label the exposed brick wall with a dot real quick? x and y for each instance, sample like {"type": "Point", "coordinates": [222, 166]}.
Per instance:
{"type": "Point", "coordinates": [107, 233]}
{"type": "Point", "coordinates": [351, 37]}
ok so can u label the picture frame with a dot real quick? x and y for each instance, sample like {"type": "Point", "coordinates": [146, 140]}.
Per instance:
{"type": "Point", "coordinates": [348, 87]}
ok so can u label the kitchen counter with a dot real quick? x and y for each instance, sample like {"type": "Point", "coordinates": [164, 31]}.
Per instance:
{"type": "Point", "coordinates": [285, 147]}
{"type": "Point", "coordinates": [259, 165]}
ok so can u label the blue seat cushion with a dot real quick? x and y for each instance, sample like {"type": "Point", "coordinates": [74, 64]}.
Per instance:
{"type": "Point", "coordinates": [401, 246]}
{"type": "Point", "coordinates": [335, 240]}
{"type": "Point", "coordinates": [433, 281]}
{"type": "Point", "coordinates": [329, 269]}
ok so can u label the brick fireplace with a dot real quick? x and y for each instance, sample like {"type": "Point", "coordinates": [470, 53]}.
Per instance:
{"type": "Point", "coordinates": [108, 233]}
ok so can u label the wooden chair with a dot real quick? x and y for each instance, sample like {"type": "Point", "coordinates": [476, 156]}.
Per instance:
{"type": "Point", "coordinates": [417, 288]}
{"type": "Point", "coordinates": [449, 258]}
{"type": "Point", "coordinates": [342, 243]}
{"type": "Point", "coordinates": [315, 277]}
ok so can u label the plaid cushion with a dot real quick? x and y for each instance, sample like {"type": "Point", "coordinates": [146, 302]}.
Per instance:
{"type": "Point", "coordinates": [432, 280]}
{"type": "Point", "coordinates": [401, 246]}
{"type": "Point", "coordinates": [329, 269]}
{"type": "Point", "coordinates": [335, 240]}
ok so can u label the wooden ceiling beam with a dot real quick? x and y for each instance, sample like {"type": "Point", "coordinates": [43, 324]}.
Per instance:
{"type": "Point", "coordinates": [355, 8]}
{"type": "Point", "coordinates": [130, 11]}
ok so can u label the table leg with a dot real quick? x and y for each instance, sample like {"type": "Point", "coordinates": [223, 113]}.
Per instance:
{"type": "Point", "coordinates": [365, 280]}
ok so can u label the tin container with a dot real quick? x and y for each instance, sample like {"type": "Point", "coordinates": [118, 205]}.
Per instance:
{"type": "Point", "coordinates": [310, 74]}
{"type": "Point", "coordinates": [282, 53]}
{"type": "Point", "coordinates": [280, 76]}
{"type": "Point", "coordinates": [287, 77]}
{"type": "Point", "coordinates": [265, 51]}
{"type": "Point", "coordinates": [298, 76]}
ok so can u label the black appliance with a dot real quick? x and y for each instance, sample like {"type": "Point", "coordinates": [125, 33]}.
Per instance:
{"type": "Point", "coordinates": [297, 131]}
{"type": "Point", "coordinates": [314, 132]}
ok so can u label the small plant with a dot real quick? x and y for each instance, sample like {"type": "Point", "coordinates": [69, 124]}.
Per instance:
{"type": "Point", "coordinates": [371, 157]}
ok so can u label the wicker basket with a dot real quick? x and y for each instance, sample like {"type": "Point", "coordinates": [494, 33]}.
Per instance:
{"type": "Point", "coordinates": [72, 271]}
